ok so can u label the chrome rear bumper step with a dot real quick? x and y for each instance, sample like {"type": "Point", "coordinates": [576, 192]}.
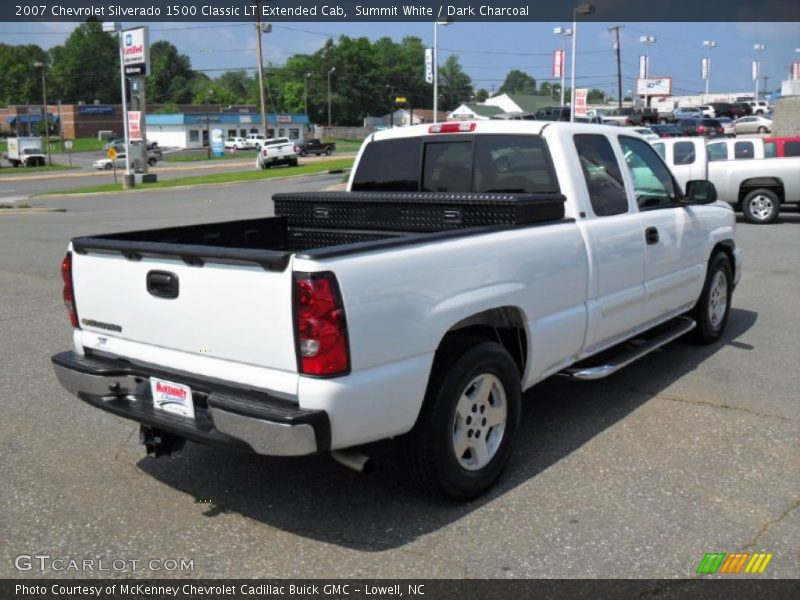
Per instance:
{"type": "Point", "coordinates": [667, 333]}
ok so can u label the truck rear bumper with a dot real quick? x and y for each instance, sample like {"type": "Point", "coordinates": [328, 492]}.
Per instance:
{"type": "Point", "coordinates": [224, 416]}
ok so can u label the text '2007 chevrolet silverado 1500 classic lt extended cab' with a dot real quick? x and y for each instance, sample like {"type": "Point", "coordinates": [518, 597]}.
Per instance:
{"type": "Point", "coordinates": [465, 263]}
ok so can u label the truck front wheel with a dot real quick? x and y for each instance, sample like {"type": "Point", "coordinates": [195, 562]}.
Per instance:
{"type": "Point", "coordinates": [761, 206]}
{"type": "Point", "coordinates": [466, 428]}
{"type": "Point", "coordinates": [712, 308]}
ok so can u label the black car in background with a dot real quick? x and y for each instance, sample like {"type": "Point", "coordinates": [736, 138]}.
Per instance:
{"type": "Point", "coordinates": [710, 128]}
{"type": "Point", "coordinates": [553, 113]}
{"type": "Point", "coordinates": [667, 131]}
{"type": "Point", "coordinates": [723, 109]}
{"type": "Point", "coordinates": [741, 109]}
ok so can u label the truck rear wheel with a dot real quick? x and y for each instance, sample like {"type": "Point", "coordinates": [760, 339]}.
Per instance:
{"type": "Point", "coordinates": [712, 308]}
{"type": "Point", "coordinates": [466, 428]}
{"type": "Point", "coordinates": [761, 206]}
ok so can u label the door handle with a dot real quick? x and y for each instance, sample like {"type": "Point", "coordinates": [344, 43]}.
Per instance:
{"type": "Point", "coordinates": [651, 235]}
{"type": "Point", "coordinates": [162, 284]}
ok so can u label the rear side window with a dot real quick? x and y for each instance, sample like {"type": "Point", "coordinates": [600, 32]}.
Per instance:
{"type": "Point", "coordinates": [683, 153]}
{"type": "Point", "coordinates": [743, 150]}
{"type": "Point", "coordinates": [448, 167]}
{"type": "Point", "coordinates": [770, 150]}
{"type": "Point", "coordinates": [717, 152]}
{"type": "Point", "coordinates": [602, 174]}
{"type": "Point", "coordinates": [791, 148]}
{"type": "Point", "coordinates": [389, 166]}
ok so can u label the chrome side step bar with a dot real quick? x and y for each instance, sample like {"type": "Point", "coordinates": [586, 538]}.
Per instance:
{"type": "Point", "coordinates": [679, 327]}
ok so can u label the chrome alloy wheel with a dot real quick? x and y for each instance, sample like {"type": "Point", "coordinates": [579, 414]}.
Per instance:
{"type": "Point", "coordinates": [761, 207]}
{"type": "Point", "coordinates": [480, 422]}
{"type": "Point", "coordinates": [718, 299]}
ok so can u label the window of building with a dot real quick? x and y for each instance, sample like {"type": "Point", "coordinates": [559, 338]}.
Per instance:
{"type": "Point", "coordinates": [243, 133]}
{"type": "Point", "coordinates": [683, 153]}
{"type": "Point", "coordinates": [231, 133]}
{"type": "Point", "coordinates": [194, 136]}
{"type": "Point", "coordinates": [294, 134]}
{"type": "Point", "coordinates": [652, 182]}
{"type": "Point", "coordinates": [281, 132]}
{"type": "Point", "coordinates": [743, 150]}
{"type": "Point", "coordinates": [602, 174]}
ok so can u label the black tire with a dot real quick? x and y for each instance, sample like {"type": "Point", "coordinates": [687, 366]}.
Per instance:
{"type": "Point", "coordinates": [108, 166]}
{"type": "Point", "coordinates": [303, 153]}
{"type": "Point", "coordinates": [429, 448]}
{"type": "Point", "coordinates": [328, 151]}
{"type": "Point", "coordinates": [293, 162]}
{"type": "Point", "coordinates": [711, 322]}
{"type": "Point", "coordinates": [152, 162]}
{"type": "Point", "coordinates": [762, 129]}
{"type": "Point", "coordinates": [761, 206]}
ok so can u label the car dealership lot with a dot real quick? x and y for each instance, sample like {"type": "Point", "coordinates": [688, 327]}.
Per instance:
{"type": "Point", "coordinates": [691, 450]}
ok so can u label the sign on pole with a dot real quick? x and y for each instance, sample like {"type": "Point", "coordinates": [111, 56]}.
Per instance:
{"type": "Point", "coordinates": [581, 95]}
{"type": "Point", "coordinates": [400, 100]}
{"type": "Point", "coordinates": [134, 125]}
{"type": "Point", "coordinates": [755, 69]}
{"type": "Point", "coordinates": [429, 65]}
{"type": "Point", "coordinates": [217, 142]}
{"type": "Point", "coordinates": [558, 64]}
{"type": "Point", "coordinates": [136, 52]}
{"type": "Point", "coordinates": [111, 153]}
{"type": "Point", "coordinates": [796, 70]}
{"type": "Point", "coordinates": [705, 68]}
{"type": "Point", "coordinates": [654, 86]}
{"type": "Point", "coordinates": [642, 67]}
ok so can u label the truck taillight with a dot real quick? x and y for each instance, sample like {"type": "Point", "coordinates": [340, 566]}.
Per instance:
{"type": "Point", "coordinates": [320, 325]}
{"type": "Point", "coordinates": [69, 293]}
{"type": "Point", "coordinates": [451, 127]}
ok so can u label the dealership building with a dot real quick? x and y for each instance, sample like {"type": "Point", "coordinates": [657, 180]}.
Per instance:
{"type": "Point", "coordinates": [194, 130]}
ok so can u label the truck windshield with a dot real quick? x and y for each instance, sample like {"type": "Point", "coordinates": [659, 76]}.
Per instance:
{"type": "Point", "coordinates": [482, 163]}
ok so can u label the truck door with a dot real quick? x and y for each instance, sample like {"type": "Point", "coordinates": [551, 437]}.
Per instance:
{"type": "Point", "coordinates": [686, 160]}
{"type": "Point", "coordinates": [616, 245]}
{"type": "Point", "coordinates": [674, 266]}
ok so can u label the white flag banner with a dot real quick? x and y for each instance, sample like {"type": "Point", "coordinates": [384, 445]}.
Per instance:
{"type": "Point", "coordinates": [756, 65]}
{"type": "Point", "coordinates": [642, 67]}
{"type": "Point", "coordinates": [706, 64]}
{"type": "Point", "coordinates": [429, 65]}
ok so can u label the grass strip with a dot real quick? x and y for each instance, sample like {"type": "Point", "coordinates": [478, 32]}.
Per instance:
{"type": "Point", "coordinates": [232, 177]}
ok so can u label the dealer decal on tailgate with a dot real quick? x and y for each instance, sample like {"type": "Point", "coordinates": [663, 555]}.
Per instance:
{"type": "Point", "coordinates": [172, 397]}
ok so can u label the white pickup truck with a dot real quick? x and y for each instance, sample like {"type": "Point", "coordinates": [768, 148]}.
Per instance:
{"type": "Point", "coordinates": [755, 185]}
{"type": "Point", "coordinates": [276, 151]}
{"type": "Point", "coordinates": [467, 262]}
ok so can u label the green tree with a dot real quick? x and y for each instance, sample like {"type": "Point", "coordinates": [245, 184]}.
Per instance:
{"type": "Point", "coordinates": [481, 95]}
{"type": "Point", "coordinates": [518, 82]}
{"type": "Point", "coordinates": [595, 96]}
{"type": "Point", "coordinates": [455, 85]}
{"type": "Point", "coordinates": [20, 81]}
{"type": "Point", "coordinates": [171, 75]}
{"type": "Point", "coordinates": [86, 67]}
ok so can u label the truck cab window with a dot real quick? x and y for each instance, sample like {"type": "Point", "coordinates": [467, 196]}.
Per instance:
{"type": "Point", "coordinates": [514, 164]}
{"type": "Point", "coordinates": [652, 182]}
{"type": "Point", "coordinates": [602, 174]}
{"type": "Point", "coordinates": [447, 167]}
{"type": "Point", "coordinates": [683, 153]}
{"type": "Point", "coordinates": [717, 151]}
{"type": "Point", "coordinates": [389, 166]}
{"type": "Point", "coordinates": [743, 150]}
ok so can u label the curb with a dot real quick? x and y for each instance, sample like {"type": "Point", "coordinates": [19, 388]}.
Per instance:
{"type": "Point", "coordinates": [25, 211]}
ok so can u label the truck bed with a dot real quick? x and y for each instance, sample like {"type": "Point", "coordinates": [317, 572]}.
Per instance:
{"type": "Point", "coordinates": [316, 226]}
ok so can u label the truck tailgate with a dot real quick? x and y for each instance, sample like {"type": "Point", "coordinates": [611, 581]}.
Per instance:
{"type": "Point", "coordinates": [236, 313]}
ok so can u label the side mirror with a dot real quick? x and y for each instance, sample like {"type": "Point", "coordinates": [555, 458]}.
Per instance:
{"type": "Point", "coordinates": [700, 191]}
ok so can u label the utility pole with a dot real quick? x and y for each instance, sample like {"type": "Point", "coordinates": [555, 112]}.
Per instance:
{"type": "Point", "coordinates": [766, 78]}
{"type": "Point", "coordinates": [262, 96]}
{"type": "Point", "coordinates": [618, 49]}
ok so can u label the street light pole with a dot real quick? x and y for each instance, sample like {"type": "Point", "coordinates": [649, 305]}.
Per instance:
{"type": "Point", "coordinates": [581, 9]}
{"type": "Point", "coordinates": [261, 94]}
{"type": "Point", "coordinates": [646, 40]}
{"type": "Point", "coordinates": [330, 120]}
{"type": "Point", "coordinates": [564, 32]}
{"type": "Point", "coordinates": [710, 44]}
{"type": "Point", "coordinates": [45, 114]}
{"type": "Point", "coordinates": [305, 93]}
{"type": "Point", "coordinates": [757, 48]}
{"type": "Point", "coordinates": [444, 23]}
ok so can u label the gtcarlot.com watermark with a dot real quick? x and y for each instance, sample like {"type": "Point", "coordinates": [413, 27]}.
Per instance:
{"type": "Point", "coordinates": [45, 563]}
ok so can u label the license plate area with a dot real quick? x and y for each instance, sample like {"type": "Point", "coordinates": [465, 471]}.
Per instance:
{"type": "Point", "coordinates": [171, 397]}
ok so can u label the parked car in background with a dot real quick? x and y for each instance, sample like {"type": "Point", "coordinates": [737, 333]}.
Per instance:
{"type": "Point", "coordinates": [707, 111]}
{"type": "Point", "coordinates": [752, 124]}
{"type": "Point", "coordinates": [727, 126]}
{"type": "Point", "coordinates": [237, 143]}
{"type": "Point", "coordinates": [255, 140]}
{"type": "Point", "coordinates": [759, 187]}
{"type": "Point", "coordinates": [666, 131]}
{"type": "Point", "coordinates": [687, 112]}
{"type": "Point", "coordinates": [741, 109]}
{"type": "Point", "coordinates": [722, 109]}
{"type": "Point", "coordinates": [553, 113]}
{"type": "Point", "coordinates": [759, 107]}
{"type": "Point", "coordinates": [781, 147]}
{"type": "Point", "coordinates": [701, 127]}
{"type": "Point", "coordinates": [106, 164]}
{"type": "Point", "coordinates": [642, 116]}
{"type": "Point", "coordinates": [646, 132]}
{"type": "Point", "coordinates": [314, 146]}
{"type": "Point", "coordinates": [114, 142]}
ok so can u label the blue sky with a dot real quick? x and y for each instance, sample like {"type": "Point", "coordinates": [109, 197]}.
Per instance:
{"type": "Point", "coordinates": [488, 50]}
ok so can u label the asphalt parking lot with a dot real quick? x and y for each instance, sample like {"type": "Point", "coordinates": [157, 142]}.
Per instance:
{"type": "Point", "coordinates": [690, 450]}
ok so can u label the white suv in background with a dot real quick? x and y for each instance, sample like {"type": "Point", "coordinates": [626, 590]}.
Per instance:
{"type": "Point", "coordinates": [759, 106]}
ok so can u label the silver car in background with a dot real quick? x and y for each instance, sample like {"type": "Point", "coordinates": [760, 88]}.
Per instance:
{"type": "Point", "coordinates": [752, 124]}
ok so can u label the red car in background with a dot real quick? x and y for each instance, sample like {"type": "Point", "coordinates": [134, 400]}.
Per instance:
{"type": "Point", "coordinates": [781, 147]}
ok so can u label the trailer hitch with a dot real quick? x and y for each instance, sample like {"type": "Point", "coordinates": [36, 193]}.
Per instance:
{"type": "Point", "coordinates": [159, 442]}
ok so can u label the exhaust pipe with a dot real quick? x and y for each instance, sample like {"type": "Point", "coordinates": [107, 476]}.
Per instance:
{"type": "Point", "coordinates": [354, 460]}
